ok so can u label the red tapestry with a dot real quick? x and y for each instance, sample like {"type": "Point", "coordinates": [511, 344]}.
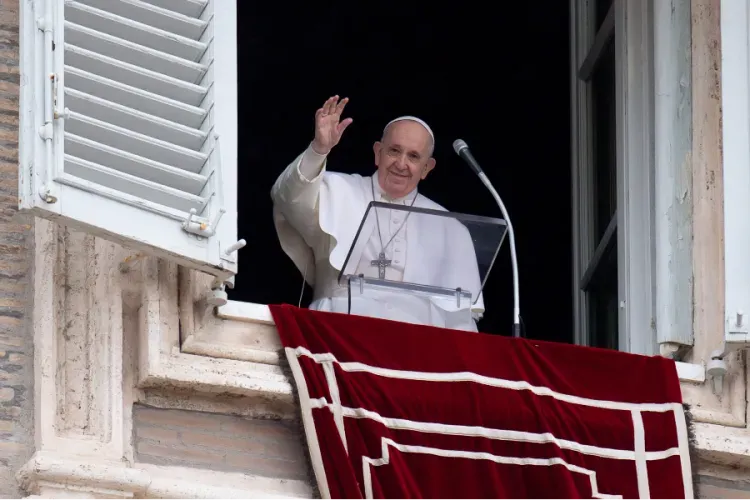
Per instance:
{"type": "Point", "coordinates": [393, 410]}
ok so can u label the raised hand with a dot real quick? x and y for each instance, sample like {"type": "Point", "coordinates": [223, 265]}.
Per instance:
{"type": "Point", "coordinates": [328, 125]}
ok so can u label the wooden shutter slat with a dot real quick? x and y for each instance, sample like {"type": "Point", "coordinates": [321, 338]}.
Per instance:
{"type": "Point", "coordinates": [135, 76]}
{"type": "Point", "coordinates": [192, 8]}
{"type": "Point", "coordinates": [133, 53]}
{"type": "Point", "coordinates": [152, 15]}
{"type": "Point", "coordinates": [133, 185]}
{"type": "Point", "coordinates": [134, 97]}
{"type": "Point", "coordinates": [132, 119]}
{"type": "Point", "coordinates": [129, 140]}
{"type": "Point", "coordinates": [133, 164]}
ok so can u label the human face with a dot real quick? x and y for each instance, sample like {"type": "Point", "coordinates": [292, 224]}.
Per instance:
{"type": "Point", "coordinates": [403, 158]}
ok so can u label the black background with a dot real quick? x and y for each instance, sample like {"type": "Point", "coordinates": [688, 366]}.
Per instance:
{"type": "Point", "coordinates": [496, 77]}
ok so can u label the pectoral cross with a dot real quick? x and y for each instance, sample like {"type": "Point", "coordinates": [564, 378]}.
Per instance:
{"type": "Point", "coordinates": [382, 263]}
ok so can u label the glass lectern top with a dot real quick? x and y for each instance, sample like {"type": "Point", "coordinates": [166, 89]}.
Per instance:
{"type": "Point", "coordinates": [397, 245]}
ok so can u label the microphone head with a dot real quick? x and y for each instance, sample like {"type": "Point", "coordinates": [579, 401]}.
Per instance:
{"type": "Point", "coordinates": [458, 145]}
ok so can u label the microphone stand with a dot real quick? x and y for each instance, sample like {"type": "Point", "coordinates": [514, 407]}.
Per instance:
{"type": "Point", "coordinates": [463, 150]}
{"type": "Point", "coordinates": [513, 259]}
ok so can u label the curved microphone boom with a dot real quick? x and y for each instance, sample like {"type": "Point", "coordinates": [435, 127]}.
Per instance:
{"type": "Point", "coordinates": [462, 150]}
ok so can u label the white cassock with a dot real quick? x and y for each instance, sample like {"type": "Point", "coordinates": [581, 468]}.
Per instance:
{"type": "Point", "coordinates": [317, 214]}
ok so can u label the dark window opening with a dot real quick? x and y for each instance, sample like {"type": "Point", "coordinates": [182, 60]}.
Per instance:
{"type": "Point", "coordinates": [500, 80]}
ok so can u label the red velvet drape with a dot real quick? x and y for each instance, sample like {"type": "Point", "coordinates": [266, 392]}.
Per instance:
{"type": "Point", "coordinates": [393, 410]}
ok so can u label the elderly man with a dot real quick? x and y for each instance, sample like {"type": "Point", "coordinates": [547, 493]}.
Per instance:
{"type": "Point", "coordinates": [317, 214]}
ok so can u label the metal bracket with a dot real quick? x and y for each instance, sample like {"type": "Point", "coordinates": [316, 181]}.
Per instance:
{"type": "Point", "coordinates": [231, 249]}
{"type": "Point", "coordinates": [45, 131]}
{"type": "Point", "coordinates": [217, 296]}
{"type": "Point", "coordinates": [736, 337]}
{"type": "Point", "coordinates": [43, 24]}
{"type": "Point", "coordinates": [65, 113]}
{"type": "Point", "coordinates": [229, 283]}
{"type": "Point", "coordinates": [199, 227]}
{"type": "Point", "coordinates": [716, 369]}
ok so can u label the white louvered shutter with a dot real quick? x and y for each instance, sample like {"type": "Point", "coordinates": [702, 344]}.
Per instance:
{"type": "Point", "coordinates": [143, 142]}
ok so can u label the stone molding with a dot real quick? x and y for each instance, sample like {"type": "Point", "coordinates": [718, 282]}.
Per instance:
{"type": "Point", "coordinates": [49, 475]}
{"type": "Point", "coordinates": [107, 325]}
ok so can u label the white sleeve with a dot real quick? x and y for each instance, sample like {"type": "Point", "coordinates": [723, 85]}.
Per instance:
{"type": "Point", "coordinates": [296, 192]}
{"type": "Point", "coordinates": [311, 165]}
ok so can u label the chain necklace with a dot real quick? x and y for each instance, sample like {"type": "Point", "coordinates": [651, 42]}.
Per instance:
{"type": "Point", "coordinates": [381, 262]}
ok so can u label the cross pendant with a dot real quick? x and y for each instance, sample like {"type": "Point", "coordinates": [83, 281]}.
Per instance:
{"type": "Point", "coordinates": [382, 263]}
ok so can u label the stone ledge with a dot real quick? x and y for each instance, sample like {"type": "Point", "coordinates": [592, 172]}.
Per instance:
{"type": "Point", "coordinates": [241, 331]}
{"type": "Point", "coordinates": [202, 344]}
{"type": "Point", "coordinates": [723, 445]}
{"type": "Point", "coordinates": [266, 386]}
{"type": "Point", "coordinates": [102, 479]}
{"type": "Point", "coordinates": [171, 307]}
{"type": "Point", "coordinates": [259, 314]}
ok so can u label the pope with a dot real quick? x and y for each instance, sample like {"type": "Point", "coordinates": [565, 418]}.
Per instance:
{"type": "Point", "coordinates": [317, 214]}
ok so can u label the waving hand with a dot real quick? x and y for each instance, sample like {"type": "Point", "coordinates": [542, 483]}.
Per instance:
{"type": "Point", "coordinates": [328, 124]}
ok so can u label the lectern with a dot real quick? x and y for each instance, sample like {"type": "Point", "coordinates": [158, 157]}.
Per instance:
{"type": "Point", "coordinates": [422, 266]}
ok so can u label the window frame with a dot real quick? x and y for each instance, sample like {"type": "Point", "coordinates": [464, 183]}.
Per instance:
{"type": "Point", "coordinates": [634, 219]}
{"type": "Point", "coordinates": [637, 279]}
{"type": "Point", "coordinates": [631, 25]}
{"type": "Point", "coordinates": [632, 22]}
{"type": "Point", "coordinates": [594, 263]}
{"type": "Point", "coordinates": [735, 82]}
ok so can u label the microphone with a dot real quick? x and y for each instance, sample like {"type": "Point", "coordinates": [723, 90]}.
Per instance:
{"type": "Point", "coordinates": [462, 150]}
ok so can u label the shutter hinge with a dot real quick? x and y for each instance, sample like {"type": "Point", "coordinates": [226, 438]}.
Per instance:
{"type": "Point", "coordinates": [201, 228]}
{"type": "Point", "coordinates": [51, 110]}
{"type": "Point", "coordinates": [46, 130]}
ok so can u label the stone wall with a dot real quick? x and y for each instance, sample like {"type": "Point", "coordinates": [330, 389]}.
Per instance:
{"type": "Point", "coordinates": [224, 443]}
{"type": "Point", "coordinates": [16, 240]}
{"type": "Point", "coordinates": [712, 487]}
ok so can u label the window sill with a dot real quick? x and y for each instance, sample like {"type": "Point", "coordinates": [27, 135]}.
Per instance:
{"type": "Point", "coordinates": [691, 372]}
{"type": "Point", "coordinates": [240, 331]}
{"type": "Point", "coordinates": [216, 356]}
{"type": "Point", "coordinates": [246, 311]}
{"type": "Point", "coordinates": [249, 312]}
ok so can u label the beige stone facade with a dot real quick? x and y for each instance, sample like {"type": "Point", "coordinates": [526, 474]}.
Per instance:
{"type": "Point", "coordinates": [16, 263]}
{"type": "Point", "coordinates": [117, 379]}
